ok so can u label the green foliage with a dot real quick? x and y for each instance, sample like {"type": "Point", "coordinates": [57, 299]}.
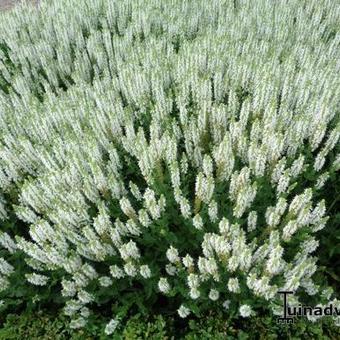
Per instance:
{"type": "Point", "coordinates": [40, 326]}
{"type": "Point", "coordinates": [329, 250]}
{"type": "Point", "coordinates": [35, 326]}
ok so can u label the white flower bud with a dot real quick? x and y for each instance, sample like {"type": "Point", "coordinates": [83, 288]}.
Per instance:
{"type": "Point", "coordinates": [197, 222]}
{"type": "Point", "coordinates": [105, 281]}
{"type": "Point", "coordinates": [163, 285]}
{"type": "Point", "coordinates": [116, 272]}
{"type": "Point", "coordinates": [111, 326]}
{"type": "Point", "coordinates": [214, 295]}
{"type": "Point", "coordinates": [172, 255]}
{"type": "Point", "coordinates": [245, 311]}
{"type": "Point", "coordinates": [37, 279]}
{"type": "Point", "coordinates": [170, 269]}
{"type": "Point", "coordinates": [130, 269]}
{"type": "Point", "coordinates": [145, 271]}
{"type": "Point", "coordinates": [194, 293]}
{"type": "Point", "coordinates": [183, 311]}
{"type": "Point", "coordinates": [252, 219]}
{"type": "Point", "coordinates": [188, 261]}
{"type": "Point", "coordinates": [233, 285]}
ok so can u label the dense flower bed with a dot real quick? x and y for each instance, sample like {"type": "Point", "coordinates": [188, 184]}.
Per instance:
{"type": "Point", "coordinates": [167, 147]}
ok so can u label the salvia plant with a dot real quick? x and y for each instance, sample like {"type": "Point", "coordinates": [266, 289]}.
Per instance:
{"type": "Point", "coordinates": [168, 150]}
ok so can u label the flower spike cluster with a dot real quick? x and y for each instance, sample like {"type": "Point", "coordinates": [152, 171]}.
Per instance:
{"type": "Point", "coordinates": [161, 145]}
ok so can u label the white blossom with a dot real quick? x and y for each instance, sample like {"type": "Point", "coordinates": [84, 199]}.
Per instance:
{"type": "Point", "coordinates": [163, 285]}
{"type": "Point", "coordinates": [145, 271]}
{"type": "Point", "coordinates": [214, 294]}
{"type": "Point", "coordinates": [183, 311]}
{"type": "Point", "coordinates": [245, 311]}
{"type": "Point", "coordinates": [111, 326]}
{"type": "Point", "coordinates": [233, 285]}
{"type": "Point", "coordinates": [37, 279]}
{"type": "Point", "coordinates": [172, 255]}
{"type": "Point", "coordinates": [105, 281]}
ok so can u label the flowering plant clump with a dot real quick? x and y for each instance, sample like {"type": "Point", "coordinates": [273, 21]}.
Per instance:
{"type": "Point", "coordinates": [168, 148]}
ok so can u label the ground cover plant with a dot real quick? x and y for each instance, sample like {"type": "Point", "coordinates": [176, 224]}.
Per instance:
{"type": "Point", "coordinates": [44, 326]}
{"type": "Point", "coordinates": [168, 157]}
